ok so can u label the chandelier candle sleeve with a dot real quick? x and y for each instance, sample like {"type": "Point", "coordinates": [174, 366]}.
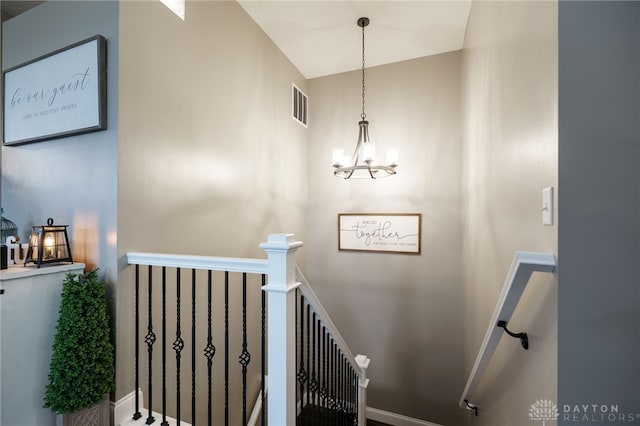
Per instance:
{"type": "Point", "coordinates": [338, 157]}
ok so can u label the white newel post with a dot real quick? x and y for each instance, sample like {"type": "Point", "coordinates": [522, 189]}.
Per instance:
{"type": "Point", "coordinates": [281, 333]}
{"type": "Point", "coordinates": [363, 383]}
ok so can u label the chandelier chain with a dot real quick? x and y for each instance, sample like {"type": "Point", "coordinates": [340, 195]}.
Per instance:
{"type": "Point", "coordinates": [363, 115]}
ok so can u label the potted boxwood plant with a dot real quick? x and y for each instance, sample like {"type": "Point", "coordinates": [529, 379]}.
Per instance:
{"type": "Point", "coordinates": [82, 364]}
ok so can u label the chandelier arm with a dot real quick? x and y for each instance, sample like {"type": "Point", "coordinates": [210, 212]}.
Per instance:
{"type": "Point", "coordinates": [356, 152]}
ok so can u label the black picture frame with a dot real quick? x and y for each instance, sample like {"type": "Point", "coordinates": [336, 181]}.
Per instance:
{"type": "Point", "coordinates": [60, 94]}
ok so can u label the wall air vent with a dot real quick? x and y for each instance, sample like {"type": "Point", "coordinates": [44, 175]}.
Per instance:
{"type": "Point", "coordinates": [300, 105]}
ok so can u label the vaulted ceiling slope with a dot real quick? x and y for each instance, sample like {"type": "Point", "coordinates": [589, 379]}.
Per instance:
{"type": "Point", "coordinates": [321, 37]}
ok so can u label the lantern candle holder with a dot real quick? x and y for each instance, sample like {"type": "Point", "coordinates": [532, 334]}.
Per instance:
{"type": "Point", "coordinates": [48, 244]}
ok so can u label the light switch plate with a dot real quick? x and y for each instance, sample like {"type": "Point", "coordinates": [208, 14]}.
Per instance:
{"type": "Point", "coordinates": [547, 206]}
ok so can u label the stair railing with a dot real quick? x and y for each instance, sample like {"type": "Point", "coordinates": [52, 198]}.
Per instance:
{"type": "Point", "coordinates": [333, 387]}
{"type": "Point", "coordinates": [522, 266]}
{"type": "Point", "coordinates": [178, 334]}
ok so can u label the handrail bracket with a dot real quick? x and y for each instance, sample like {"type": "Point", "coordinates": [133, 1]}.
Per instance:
{"type": "Point", "coordinates": [471, 407]}
{"type": "Point", "coordinates": [524, 339]}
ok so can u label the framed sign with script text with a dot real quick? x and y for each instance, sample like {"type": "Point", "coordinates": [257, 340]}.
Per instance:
{"type": "Point", "coordinates": [392, 232]}
{"type": "Point", "coordinates": [61, 94]}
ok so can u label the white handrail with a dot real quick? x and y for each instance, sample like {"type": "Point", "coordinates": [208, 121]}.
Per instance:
{"type": "Point", "coordinates": [231, 264]}
{"type": "Point", "coordinates": [523, 265]}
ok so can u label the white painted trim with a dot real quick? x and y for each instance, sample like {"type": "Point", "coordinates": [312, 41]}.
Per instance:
{"type": "Point", "coordinates": [252, 266]}
{"type": "Point", "coordinates": [395, 419]}
{"type": "Point", "coordinates": [522, 266]}
{"type": "Point", "coordinates": [257, 408]}
{"type": "Point", "coordinates": [281, 333]}
{"type": "Point", "coordinates": [124, 407]}
{"type": "Point", "coordinates": [123, 412]}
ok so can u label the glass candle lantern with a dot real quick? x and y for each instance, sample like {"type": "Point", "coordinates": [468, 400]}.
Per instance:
{"type": "Point", "coordinates": [48, 244]}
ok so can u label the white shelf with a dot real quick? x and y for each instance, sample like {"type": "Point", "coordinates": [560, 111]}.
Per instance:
{"type": "Point", "coordinates": [19, 271]}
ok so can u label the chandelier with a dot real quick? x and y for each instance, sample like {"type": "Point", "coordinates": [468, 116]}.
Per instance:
{"type": "Point", "coordinates": [363, 163]}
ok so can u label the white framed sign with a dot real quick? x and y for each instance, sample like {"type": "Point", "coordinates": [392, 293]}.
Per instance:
{"type": "Point", "coordinates": [60, 94]}
{"type": "Point", "coordinates": [379, 232]}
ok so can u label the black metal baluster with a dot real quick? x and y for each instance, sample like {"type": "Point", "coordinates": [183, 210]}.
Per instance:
{"type": "Point", "coordinates": [331, 376]}
{"type": "Point", "coordinates": [349, 395]}
{"type": "Point", "coordinates": [178, 345]}
{"type": "Point", "coordinates": [226, 347]}
{"type": "Point", "coordinates": [354, 392]}
{"type": "Point", "coordinates": [245, 356]}
{"type": "Point", "coordinates": [338, 386]}
{"type": "Point", "coordinates": [193, 347]}
{"type": "Point", "coordinates": [302, 374]}
{"type": "Point", "coordinates": [344, 385]}
{"type": "Point", "coordinates": [346, 392]}
{"type": "Point", "coordinates": [263, 350]}
{"type": "Point", "coordinates": [136, 414]}
{"type": "Point", "coordinates": [339, 389]}
{"type": "Point", "coordinates": [308, 349]}
{"type": "Point", "coordinates": [150, 339]}
{"type": "Point", "coordinates": [164, 347]}
{"type": "Point", "coordinates": [319, 374]}
{"type": "Point", "coordinates": [313, 383]}
{"type": "Point", "coordinates": [325, 364]}
{"type": "Point", "coordinates": [209, 350]}
{"type": "Point", "coordinates": [345, 381]}
{"type": "Point", "coordinates": [334, 382]}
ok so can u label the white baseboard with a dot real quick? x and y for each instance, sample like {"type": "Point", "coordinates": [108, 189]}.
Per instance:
{"type": "Point", "coordinates": [124, 407]}
{"type": "Point", "coordinates": [395, 419]}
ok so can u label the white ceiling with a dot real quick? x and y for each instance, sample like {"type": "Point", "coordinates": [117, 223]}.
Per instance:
{"type": "Point", "coordinates": [321, 37]}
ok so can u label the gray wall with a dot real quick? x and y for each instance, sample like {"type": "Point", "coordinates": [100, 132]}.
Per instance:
{"type": "Point", "coordinates": [510, 155]}
{"type": "Point", "coordinates": [403, 311]}
{"type": "Point", "coordinates": [74, 179]}
{"type": "Point", "coordinates": [599, 234]}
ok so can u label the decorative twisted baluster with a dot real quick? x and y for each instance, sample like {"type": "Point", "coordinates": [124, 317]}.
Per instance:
{"type": "Point", "coordinates": [150, 339]}
{"type": "Point", "coordinates": [302, 374]}
{"type": "Point", "coordinates": [245, 356]}
{"type": "Point", "coordinates": [178, 344]}
{"type": "Point", "coordinates": [209, 350]}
